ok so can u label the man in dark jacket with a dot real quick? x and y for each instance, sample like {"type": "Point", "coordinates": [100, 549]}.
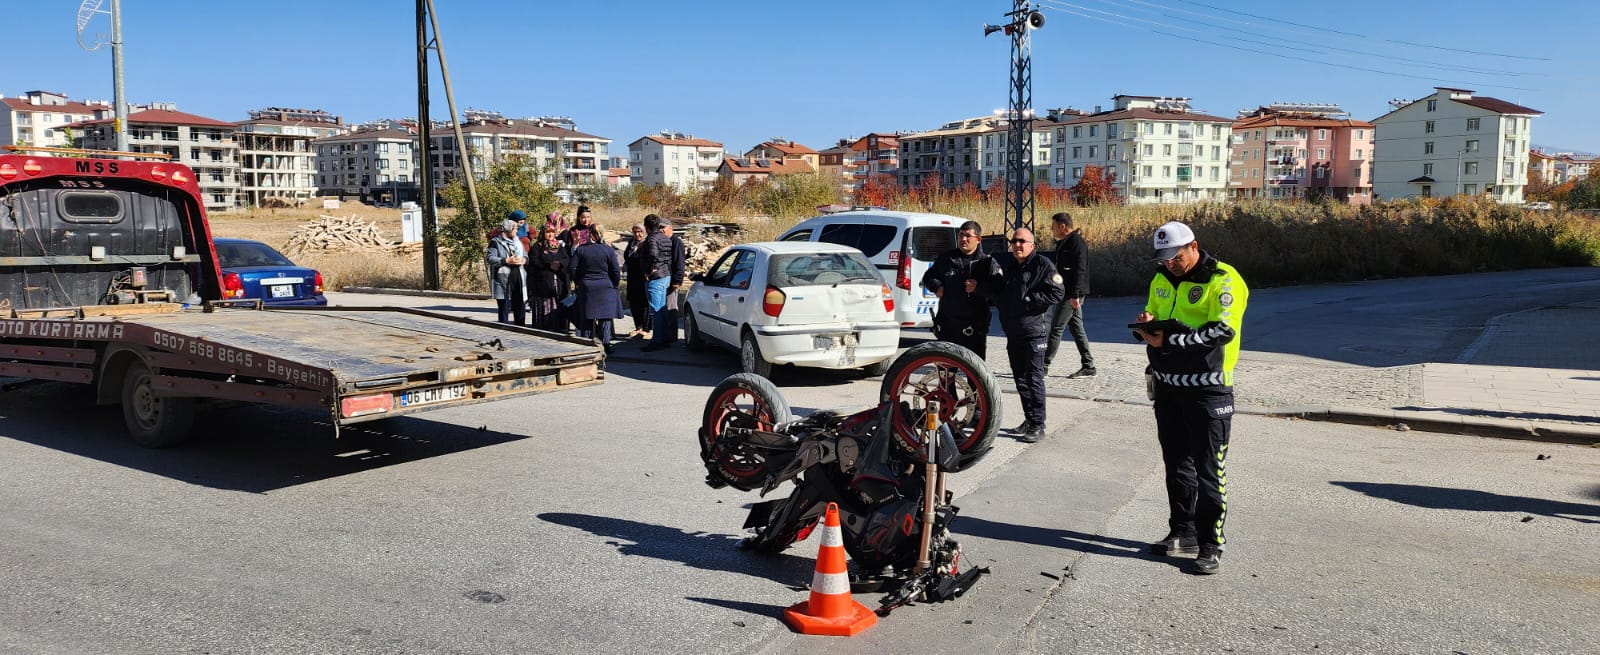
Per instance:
{"type": "Point", "coordinates": [1025, 288]}
{"type": "Point", "coordinates": [661, 260]}
{"type": "Point", "coordinates": [963, 315]}
{"type": "Point", "coordinates": [1072, 261]}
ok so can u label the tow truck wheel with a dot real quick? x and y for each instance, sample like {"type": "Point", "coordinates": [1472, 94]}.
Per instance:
{"type": "Point", "coordinates": [154, 421]}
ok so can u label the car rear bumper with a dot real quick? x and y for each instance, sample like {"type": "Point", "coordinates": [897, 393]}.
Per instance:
{"type": "Point", "coordinates": [318, 301]}
{"type": "Point", "coordinates": [829, 345]}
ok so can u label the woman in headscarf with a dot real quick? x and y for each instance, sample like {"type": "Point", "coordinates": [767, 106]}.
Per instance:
{"type": "Point", "coordinates": [507, 280]}
{"type": "Point", "coordinates": [548, 280]}
{"type": "Point", "coordinates": [638, 280]}
{"type": "Point", "coordinates": [595, 275]}
{"type": "Point", "coordinates": [579, 233]}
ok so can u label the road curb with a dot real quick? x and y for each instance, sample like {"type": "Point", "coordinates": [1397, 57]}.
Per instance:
{"type": "Point", "coordinates": [416, 292]}
{"type": "Point", "coordinates": [1425, 421]}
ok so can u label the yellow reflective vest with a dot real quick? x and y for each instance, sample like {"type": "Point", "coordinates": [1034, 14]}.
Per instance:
{"type": "Point", "coordinates": [1210, 300]}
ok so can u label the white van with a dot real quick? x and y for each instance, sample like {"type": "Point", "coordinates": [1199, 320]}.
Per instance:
{"type": "Point", "coordinates": [902, 245]}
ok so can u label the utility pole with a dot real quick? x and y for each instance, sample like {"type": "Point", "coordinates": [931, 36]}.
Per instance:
{"type": "Point", "coordinates": [1023, 19]}
{"type": "Point", "coordinates": [86, 13]}
{"type": "Point", "coordinates": [430, 218]}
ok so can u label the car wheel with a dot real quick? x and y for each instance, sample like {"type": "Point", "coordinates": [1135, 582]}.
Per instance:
{"type": "Point", "coordinates": [692, 338]}
{"type": "Point", "coordinates": [154, 421]}
{"type": "Point", "coordinates": [877, 368]}
{"type": "Point", "coordinates": [750, 358]}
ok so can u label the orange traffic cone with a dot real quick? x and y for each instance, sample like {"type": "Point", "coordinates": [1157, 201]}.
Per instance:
{"type": "Point", "coordinates": [830, 610]}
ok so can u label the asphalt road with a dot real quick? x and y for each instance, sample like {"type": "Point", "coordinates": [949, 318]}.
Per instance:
{"type": "Point", "coordinates": [578, 522]}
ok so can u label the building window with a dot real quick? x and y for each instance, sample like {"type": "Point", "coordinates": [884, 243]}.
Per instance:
{"type": "Point", "coordinates": [1433, 104]}
{"type": "Point", "coordinates": [1094, 130]}
{"type": "Point", "coordinates": [1147, 171]}
{"type": "Point", "coordinates": [1166, 128]}
{"type": "Point", "coordinates": [1469, 189]}
{"type": "Point", "coordinates": [1094, 151]}
{"type": "Point", "coordinates": [1355, 173]}
{"type": "Point", "coordinates": [1470, 168]}
{"type": "Point", "coordinates": [1473, 123]}
{"type": "Point", "coordinates": [1111, 131]}
{"type": "Point", "coordinates": [1216, 153]}
{"type": "Point", "coordinates": [1077, 152]}
{"type": "Point", "coordinates": [1077, 132]}
{"type": "Point", "coordinates": [1322, 153]}
{"type": "Point", "coordinates": [1257, 137]}
{"type": "Point", "coordinates": [1427, 169]}
{"type": "Point", "coordinates": [1077, 172]}
{"type": "Point", "coordinates": [1360, 154]}
{"type": "Point", "coordinates": [1166, 172]}
{"type": "Point", "coordinates": [1427, 147]}
{"type": "Point", "coordinates": [1322, 135]}
{"type": "Point", "coordinates": [1322, 172]}
{"type": "Point", "coordinates": [1166, 148]}
{"type": "Point", "coordinates": [1149, 128]}
{"type": "Point", "coordinates": [1509, 169]}
{"type": "Point", "coordinates": [1427, 128]}
{"type": "Point", "coordinates": [1472, 145]}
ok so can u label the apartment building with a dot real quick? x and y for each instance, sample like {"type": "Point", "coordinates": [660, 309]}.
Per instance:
{"type": "Point", "coordinates": [953, 153]}
{"type": "Point", "coordinates": [206, 145]}
{"type": "Point", "coordinates": [782, 150]}
{"type": "Point", "coordinates": [567, 157]}
{"type": "Point", "coordinates": [1571, 167]}
{"type": "Point", "coordinates": [1160, 148]}
{"type": "Point", "coordinates": [37, 118]}
{"type": "Point", "coordinates": [741, 169]}
{"type": "Point", "coordinates": [856, 159]}
{"type": "Point", "coordinates": [996, 151]}
{"type": "Point", "coordinates": [675, 159]}
{"type": "Point", "coordinates": [1542, 167]}
{"type": "Point", "coordinates": [1453, 142]}
{"type": "Point", "coordinates": [277, 164]}
{"type": "Point", "coordinates": [374, 164]}
{"type": "Point", "coordinates": [1301, 150]}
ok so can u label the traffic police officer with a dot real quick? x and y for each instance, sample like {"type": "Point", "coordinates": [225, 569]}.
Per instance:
{"type": "Point", "coordinates": [1191, 359]}
{"type": "Point", "coordinates": [1026, 288]}
{"type": "Point", "coordinates": [963, 314]}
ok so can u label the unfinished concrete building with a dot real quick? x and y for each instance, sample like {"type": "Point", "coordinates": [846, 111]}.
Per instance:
{"type": "Point", "coordinates": [276, 161]}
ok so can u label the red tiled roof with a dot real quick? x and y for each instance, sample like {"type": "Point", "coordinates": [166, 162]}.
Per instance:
{"type": "Point", "coordinates": [618, 172]}
{"type": "Point", "coordinates": [165, 117]}
{"type": "Point", "coordinates": [1498, 106]}
{"type": "Point", "coordinates": [790, 148]}
{"type": "Point", "coordinates": [22, 104]}
{"type": "Point", "coordinates": [679, 142]}
{"type": "Point", "coordinates": [773, 167]}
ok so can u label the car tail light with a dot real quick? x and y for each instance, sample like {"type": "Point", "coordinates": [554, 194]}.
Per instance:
{"type": "Point", "coordinates": [902, 276]}
{"type": "Point", "coordinates": [772, 302]}
{"type": "Point", "coordinates": [232, 286]}
{"type": "Point", "coordinates": [317, 281]}
{"type": "Point", "coordinates": [372, 403]}
{"type": "Point", "coordinates": [888, 299]}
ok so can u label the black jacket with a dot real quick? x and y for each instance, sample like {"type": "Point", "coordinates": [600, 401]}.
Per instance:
{"type": "Point", "coordinates": [544, 282]}
{"type": "Point", "coordinates": [950, 272]}
{"type": "Point", "coordinates": [657, 255]}
{"type": "Point", "coordinates": [1072, 261]}
{"type": "Point", "coordinates": [1026, 293]}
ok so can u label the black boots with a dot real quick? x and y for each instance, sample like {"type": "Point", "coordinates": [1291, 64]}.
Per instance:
{"type": "Point", "coordinates": [1174, 545]}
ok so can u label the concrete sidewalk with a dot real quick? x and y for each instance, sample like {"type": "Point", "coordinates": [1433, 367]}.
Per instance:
{"type": "Point", "coordinates": [1530, 375]}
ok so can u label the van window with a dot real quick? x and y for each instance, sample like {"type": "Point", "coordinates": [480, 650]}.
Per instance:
{"type": "Point", "coordinates": [91, 207]}
{"type": "Point", "coordinates": [927, 243]}
{"type": "Point", "coordinates": [801, 235]}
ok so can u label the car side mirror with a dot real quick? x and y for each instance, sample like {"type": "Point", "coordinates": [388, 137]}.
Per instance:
{"type": "Point", "coordinates": [698, 277]}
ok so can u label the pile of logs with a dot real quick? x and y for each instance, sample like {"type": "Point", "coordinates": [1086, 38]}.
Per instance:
{"type": "Point", "coordinates": [336, 234]}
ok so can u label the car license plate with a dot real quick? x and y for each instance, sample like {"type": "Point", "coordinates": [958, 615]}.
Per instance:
{"type": "Point", "coordinates": [433, 395]}
{"type": "Point", "coordinates": [282, 291]}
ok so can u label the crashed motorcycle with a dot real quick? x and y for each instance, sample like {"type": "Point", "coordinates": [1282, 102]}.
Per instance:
{"type": "Point", "coordinates": [937, 413]}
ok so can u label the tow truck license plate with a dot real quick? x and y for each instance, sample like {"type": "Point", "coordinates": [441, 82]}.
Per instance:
{"type": "Point", "coordinates": [433, 395]}
{"type": "Point", "coordinates": [282, 290]}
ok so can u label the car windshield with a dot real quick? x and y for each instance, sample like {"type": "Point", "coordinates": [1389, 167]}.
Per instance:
{"type": "Point", "coordinates": [794, 270]}
{"type": "Point", "coordinates": [238, 255]}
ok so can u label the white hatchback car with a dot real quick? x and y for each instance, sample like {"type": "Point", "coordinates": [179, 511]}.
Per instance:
{"type": "Point", "coordinates": [818, 305]}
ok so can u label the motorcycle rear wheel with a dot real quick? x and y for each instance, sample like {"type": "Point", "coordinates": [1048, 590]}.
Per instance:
{"type": "Point", "coordinates": [967, 392]}
{"type": "Point", "coordinates": [742, 401]}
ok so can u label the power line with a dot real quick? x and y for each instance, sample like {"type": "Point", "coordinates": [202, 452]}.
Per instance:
{"type": "Point", "coordinates": [1409, 43]}
{"type": "Point", "coordinates": [1424, 63]}
{"type": "Point", "coordinates": [1054, 7]}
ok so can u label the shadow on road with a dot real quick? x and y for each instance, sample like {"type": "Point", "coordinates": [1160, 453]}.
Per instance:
{"type": "Point", "coordinates": [1089, 544]}
{"type": "Point", "coordinates": [252, 449]}
{"type": "Point", "coordinates": [701, 550]}
{"type": "Point", "coordinates": [1474, 500]}
{"type": "Point", "coordinates": [1522, 416]}
{"type": "Point", "coordinates": [758, 609]}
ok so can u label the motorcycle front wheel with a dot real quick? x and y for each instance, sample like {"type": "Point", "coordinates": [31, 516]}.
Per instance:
{"type": "Point", "coordinates": [740, 403]}
{"type": "Point", "coordinates": [961, 383]}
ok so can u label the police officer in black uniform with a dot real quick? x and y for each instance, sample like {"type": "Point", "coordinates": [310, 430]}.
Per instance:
{"type": "Point", "coordinates": [963, 314]}
{"type": "Point", "coordinates": [1026, 288]}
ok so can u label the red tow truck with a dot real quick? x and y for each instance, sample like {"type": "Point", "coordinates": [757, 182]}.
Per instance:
{"type": "Point", "coordinates": [108, 277]}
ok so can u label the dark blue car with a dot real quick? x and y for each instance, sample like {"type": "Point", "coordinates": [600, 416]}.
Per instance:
{"type": "Point", "coordinates": [252, 269]}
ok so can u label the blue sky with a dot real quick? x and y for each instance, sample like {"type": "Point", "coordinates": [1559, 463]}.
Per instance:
{"type": "Point", "coordinates": [819, 70]}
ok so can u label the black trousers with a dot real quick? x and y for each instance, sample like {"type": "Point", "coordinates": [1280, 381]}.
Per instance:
{"type": "Point", "coordinates": [1027, 367]}
{"type": "Point", "coordinates": [1193, 426]}
{"type": "Point", "coordinates": [973, 333]}
{"type": "Point", "coordinates": [1069, 319]}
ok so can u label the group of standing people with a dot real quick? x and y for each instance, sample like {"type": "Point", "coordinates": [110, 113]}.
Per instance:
{"type": "Point", "coordinates": [1190, 326]}
{"type": "Point", "coordinates": [559, 274]}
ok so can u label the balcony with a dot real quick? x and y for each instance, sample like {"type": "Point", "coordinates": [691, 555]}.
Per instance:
{"type": "Point", "coordinates": [1283, 179]}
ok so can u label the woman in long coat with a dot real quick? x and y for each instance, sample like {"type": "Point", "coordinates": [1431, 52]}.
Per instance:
{"type": "Point", "coordinates": [507, 280]}
{"type": "Point", "coordinates": [595, 275]}
{"type": "Point", "coordinates": [548, 279]}
{"type": "Point", "coordinates": [638, 279]}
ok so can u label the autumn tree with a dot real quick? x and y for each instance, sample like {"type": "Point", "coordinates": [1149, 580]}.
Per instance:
{"type": "Point", "coordinates": [1096, 187]}
{"type": "Point", "coordinates": [878, 191]}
